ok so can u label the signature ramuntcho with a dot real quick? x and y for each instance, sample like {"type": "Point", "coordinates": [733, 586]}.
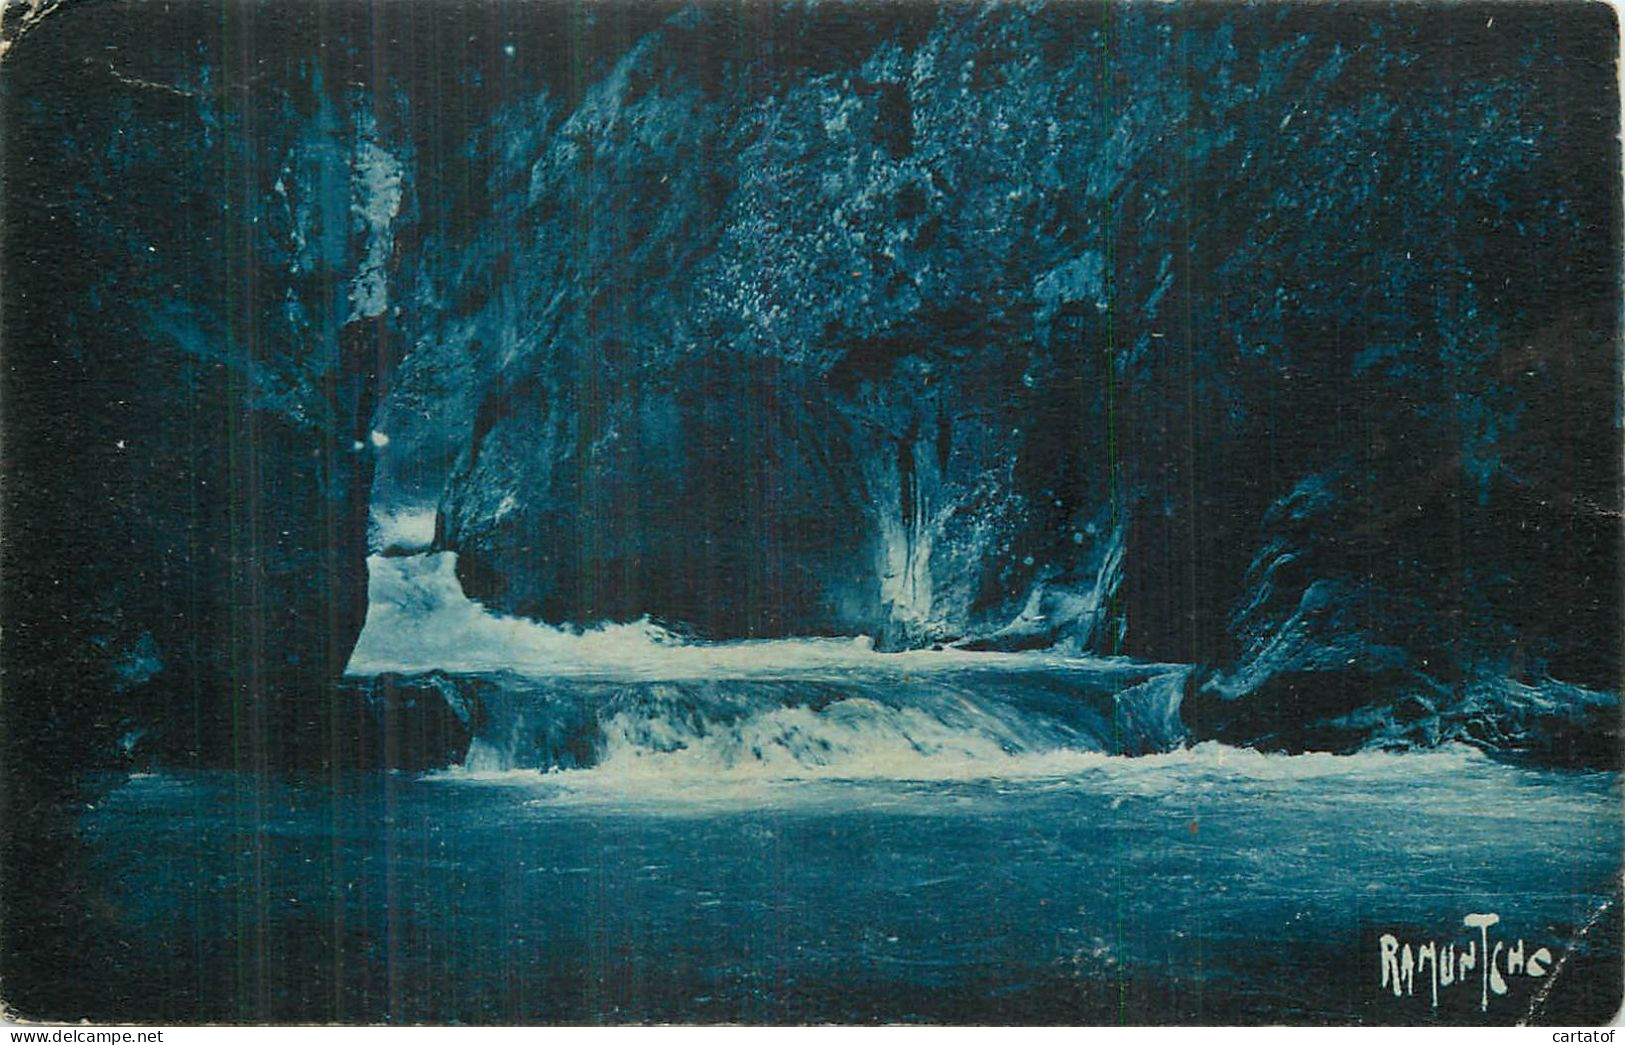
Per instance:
{"type": "Point", "coordinates": [1443, 965]}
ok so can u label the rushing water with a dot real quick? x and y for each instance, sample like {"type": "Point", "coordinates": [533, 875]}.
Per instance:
{"type": "Point", "coordinates": [812, 832]}
{"type": "Point", "coordinates": [1207, 885]}
{"type": "Point", "coordinates": [419, 619]}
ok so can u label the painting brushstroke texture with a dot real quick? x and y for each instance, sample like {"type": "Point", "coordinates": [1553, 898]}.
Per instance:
{"type": "Point", "coordinates": [814, 512]}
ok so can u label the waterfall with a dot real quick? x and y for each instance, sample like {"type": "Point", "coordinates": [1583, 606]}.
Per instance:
{"type": "Point", "coordinates": [633, 695]}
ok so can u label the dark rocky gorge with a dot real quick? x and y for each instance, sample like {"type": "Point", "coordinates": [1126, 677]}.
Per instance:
{"type": "Point", "coordinates": [1284, 346]}
{"type": "Point", "coordinates": [1253, 371]}
{"type": "Point", "coordinates": [1019, 329]}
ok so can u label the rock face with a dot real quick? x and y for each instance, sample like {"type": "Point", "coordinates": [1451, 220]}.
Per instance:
{"type": "Point", "coordinates": [207, 234]}
{"type": "Point", "coordinates": [408, 722]}
{"type": "Point", "coordinates": [197, 304]}
{"type": "Point", "coordinates": [779, 381]}
{"type": "Point", "coordinates": [1277, 342]}
{"type": "Point", "coordinates": [199, 236]}
{"type": "Point", "coordinates": [1368, 617]}
{"type": "Point", "coordinates": [1268, 341]}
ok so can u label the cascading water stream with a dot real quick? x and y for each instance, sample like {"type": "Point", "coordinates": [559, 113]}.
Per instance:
{"type": "Point", "coordinates": [540, 697]}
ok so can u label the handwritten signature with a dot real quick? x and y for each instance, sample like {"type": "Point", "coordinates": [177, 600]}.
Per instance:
{"type": "Point", "coordinates": [1444, 966]}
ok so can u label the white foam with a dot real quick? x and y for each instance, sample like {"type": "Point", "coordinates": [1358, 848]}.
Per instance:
{"type": "Point", "coordinates": [681, 782]}
{"type": "Point", "coordinates": [419, 619]}
{"type": "Point", "coordinates": [408, 529]}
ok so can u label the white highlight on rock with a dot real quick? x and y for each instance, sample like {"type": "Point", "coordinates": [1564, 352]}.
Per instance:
{"type": "Point", "coordinates": [376, 191]}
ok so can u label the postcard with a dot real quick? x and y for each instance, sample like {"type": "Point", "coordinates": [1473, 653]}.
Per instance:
{"type": "Point", "coordinates": [533, 512]}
